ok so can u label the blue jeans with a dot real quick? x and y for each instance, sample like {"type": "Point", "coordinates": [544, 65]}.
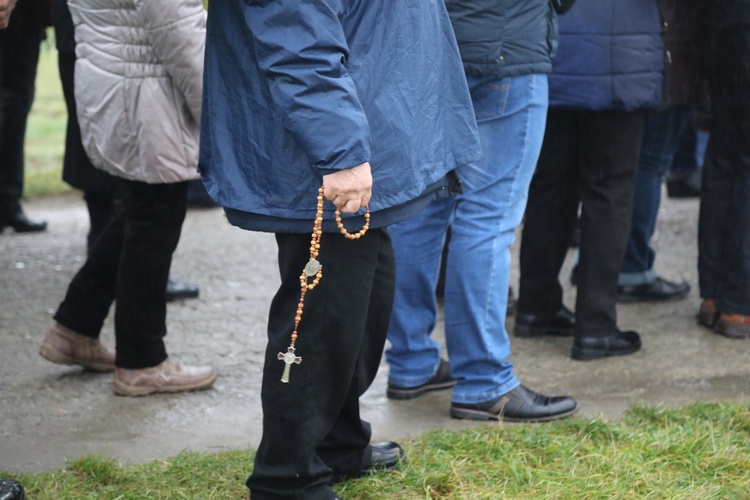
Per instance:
{"type": "Point", "coordinates": [511, 114]}
{"type": "Point", "coordinates": [662, 133]}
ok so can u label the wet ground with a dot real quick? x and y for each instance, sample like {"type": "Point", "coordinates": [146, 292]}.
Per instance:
{"type": "Point", "coordinates": [49, 413]}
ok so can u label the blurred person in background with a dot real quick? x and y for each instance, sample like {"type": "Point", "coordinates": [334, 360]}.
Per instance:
{"type": "Point", "coordinates": [19, 55]}
{"type": "Point", "coordinates": [138, 85]}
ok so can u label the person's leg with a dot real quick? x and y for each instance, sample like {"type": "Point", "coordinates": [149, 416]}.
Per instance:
{"type": "Point", "coordinates": [551, 215]}
{"type": "Point", "coordinates": [74, 338]}
{"type": "Point", "coordinates": [92, 290]}
{"type": "Point", "coordinates": [724, 221]}
{"type": "Point", "coordinates": [413, 356]}
{"type": "Point", "coordinates": [511, 115]}
{"type": "Point", "coordinates": [19, 55]}
{"type": "Point", "coordinates": [341, 449]}
{"type": "Point", "coordinates": [638, 280]}
{"type": "Point", "coordinates": [153, 221]}
{"type": "Point", "coordinates": [341, 337]}
{"type": "Point", "coordinates": [661, 136]}
{"type": "Point", "coordinates": [608, 159]}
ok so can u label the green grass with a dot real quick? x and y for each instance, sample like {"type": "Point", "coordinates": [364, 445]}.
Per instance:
{"type": "Point", "coordinates": [45, 131]}
{"type": "Point", "coordinates": [701, 451]}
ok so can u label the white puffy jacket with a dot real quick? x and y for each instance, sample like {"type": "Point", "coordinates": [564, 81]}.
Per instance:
{"type": "Point", "coordinates": [138, 85]}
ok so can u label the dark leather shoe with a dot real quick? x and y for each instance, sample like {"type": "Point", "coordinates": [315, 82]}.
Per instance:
{"type": "Point", "coordinates": [386, 455]}
{"type": "Point", "coordinates": [441, 380]}
{"type": "Point", "coordinates": [684, 184]}
{"type": "Point", "coordinates": [708, 313]}
{"type": "Point", "coordinates": [518, 405]}
{"type": "Point", "coordinates": [658, 290]}
{"type": "Point", "coordinates": [617, 344]}
{"type": "Point", "coordinates": [563, 322]}
{"type": "Point", "coordinates": [180, 290]}
{"type": "Point", "coordinates": [22, 224]}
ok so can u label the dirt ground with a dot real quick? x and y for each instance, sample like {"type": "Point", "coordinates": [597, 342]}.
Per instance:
{"type": "Point", "coordinates": [49, 413]}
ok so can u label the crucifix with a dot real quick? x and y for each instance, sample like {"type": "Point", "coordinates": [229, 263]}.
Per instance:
{"type": "Point", "coordinates": [289, 358]}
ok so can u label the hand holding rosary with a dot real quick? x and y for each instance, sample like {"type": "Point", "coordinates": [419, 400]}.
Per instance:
{"type": "Point", "coordinates": [313, 270]}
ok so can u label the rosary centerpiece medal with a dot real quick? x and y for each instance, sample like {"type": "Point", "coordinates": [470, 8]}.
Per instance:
{"type": "Point", "coordinates": [313, 270]}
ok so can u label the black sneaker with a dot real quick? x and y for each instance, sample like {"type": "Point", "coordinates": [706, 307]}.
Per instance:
{"type": "Point", "coordinates": [11, 490]}
{"type": "Point", "coordinates": [518, 405]}
{"type": "Point", "coordinates": [441, 380]}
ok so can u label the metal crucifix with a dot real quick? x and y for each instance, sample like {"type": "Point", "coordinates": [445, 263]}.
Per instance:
{"type": "Point", "coordinates": [289, 358]}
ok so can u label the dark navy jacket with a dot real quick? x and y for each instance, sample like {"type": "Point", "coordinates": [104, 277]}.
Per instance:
{"type": "Point", "coordinates": [296, 89]}
{"type": "Point", "coordinates": [505, 38]}
{"type": "Point", "coordinates": [610, 56]}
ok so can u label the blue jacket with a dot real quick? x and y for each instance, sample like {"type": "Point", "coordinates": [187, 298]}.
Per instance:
{"type": "Point", "coordinates": [610, 56]}
{"type": "Point", "coordinates": [296, 89]}
{"type": "Point", "coordinates": [505, 38]}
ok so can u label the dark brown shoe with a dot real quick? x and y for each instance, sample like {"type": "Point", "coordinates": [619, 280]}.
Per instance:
{"type": "Point", "coordinates": [66, 347]}
{"type": "Point", "coordinates": [734, 326]}
{"type": "Point", "coordinates": [708, 314]}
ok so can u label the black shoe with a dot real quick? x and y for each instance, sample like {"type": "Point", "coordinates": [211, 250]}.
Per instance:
{"type": "Point", "coordinates": [386, 455]}
{"type": "Point", "coordinates": [617, 344]}
{"type": "Point", "coordinates": [658, 290]}
{"type": "Point", "coordinates": [180, 290]}
{"type": "Point", "coordinates": [21, 224]}
{"type": "Point", "coordinates": [441, 380]}
{"type": "Point", "coordinates": [684, 184]}
{"type": "Point", "coordinates": [563, 322]}
{"type": "Point", "coordinates": [11, 490]}
{"type": "Point", "coordinates": [519, 405]}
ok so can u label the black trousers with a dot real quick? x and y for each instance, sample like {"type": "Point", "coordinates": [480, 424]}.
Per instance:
{"type": "Point", "coordinates": [312, 430]}
{"type": "Point", "coordinates": [19, 55]}
{"type": "Point", "coordinates": [129, 263]}
{"type": "Point", "coordinates": [724, 221]}
{"type": "Point", "coordinates": [589, 158]}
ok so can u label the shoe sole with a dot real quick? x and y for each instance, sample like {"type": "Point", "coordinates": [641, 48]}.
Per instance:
{"type": "Point", "coordinates": [126, 390]}
{"type": "Point", "coordinates": [629, 299]}
{"type": "Point", "coordinates": [731, 331]}
{"type": "Point", "coordinates": [406, 394]}
{"type": "Point", "coordinates": [51, 354]}
{"type": "Point", "coordinates": [467, 414]}
{"type": "Point", "coordinates": [591, 354]}
{"type": "Point", "coordinates": [533, 332]}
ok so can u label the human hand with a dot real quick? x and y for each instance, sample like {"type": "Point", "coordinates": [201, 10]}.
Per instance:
{"type": "Point", "coordinates": [6, 6]}
{"type": "Point", "coordinates": [349, 189]}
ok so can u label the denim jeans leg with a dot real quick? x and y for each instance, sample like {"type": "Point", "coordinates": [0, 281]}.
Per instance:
{"type": "Point", "coordinates": [413, 356]}
{"type": "Point", "coordinates": [661, 138]}
{"type": "Point", "coordinates": [511, 114]}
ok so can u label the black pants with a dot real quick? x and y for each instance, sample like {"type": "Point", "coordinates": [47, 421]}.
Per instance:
{"type": "Point", "coordinates": [724, 221]}
{"type": "Point", "coordinates": [129, 263]}
{"type": "Point", "coordinates": [589, 158]}
{"type": "Point", "coordinates": [312, 430]}
{"type": "Point", "coordinates": [19, 55]}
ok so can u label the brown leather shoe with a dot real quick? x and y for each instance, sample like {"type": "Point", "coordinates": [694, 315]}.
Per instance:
{"type": "Point", "coordinates": [168, 376]}
{"type": "Point", "coordinates": [735, 326]}
{"type": "Point", "coordinates": [708, 313]}
{"type": "Point", "coordinates": [66, 347]}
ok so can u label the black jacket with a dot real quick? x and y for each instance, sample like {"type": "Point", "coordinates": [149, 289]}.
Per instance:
{"type": "Point", "coordinates": [506, 37]}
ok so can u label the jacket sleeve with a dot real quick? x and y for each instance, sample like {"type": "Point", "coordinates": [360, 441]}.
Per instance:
{"type": "Point", "coordinates": [176, 30]}
{"type": "Point", "coordinates": [301, 49]}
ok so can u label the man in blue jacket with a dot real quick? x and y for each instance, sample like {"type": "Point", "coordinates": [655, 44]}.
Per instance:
{"type": "Point", "coordinates": [369, 99]}
{"type": "Point", "coordinates": [507, 49]}
{"type": "Point", "coordinates": [607, 72]}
